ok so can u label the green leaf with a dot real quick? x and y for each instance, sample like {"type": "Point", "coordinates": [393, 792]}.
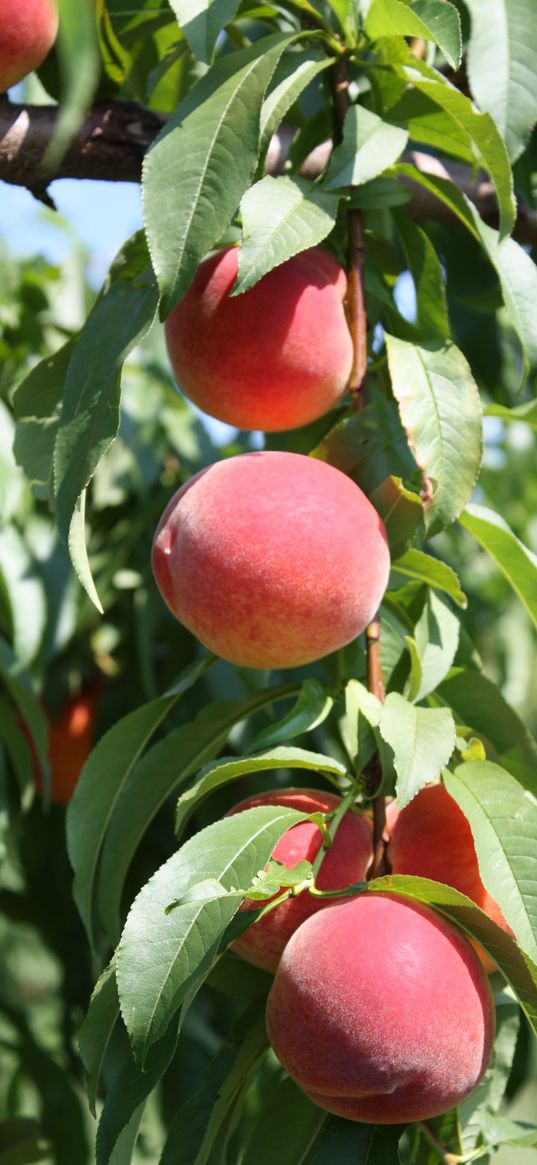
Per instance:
{"type": "Point", "coordinates": [380, 193]}
{"type": "Point", "coordinates": [436, 637]}
{"type": "Point", "coordinates": [294, 73]}
{"type": "Point", "coordinates": [432, 321]}
{"type": "Point", "coordinates": [401, 511]}
{"type": "Point", "coordinates": [276, 876]}
{"type": "Point", "coordinates": [89, 421]}
{"type": "Point", "coordinates": [99, 787]}
{"type": "Point", "coordinates": [441, 412]}
{"type": "Point", "coordinates": [514, 964]}
{"type": "Point", "coordinates": [312, 707]}
{"type": "Point", "coordinates": [36, 406]}
{"type": "Point", "coordinates": [162, 769]}
{"type": "Point", "coordinates": [416, 564]}
{"type": "Point", "coordinates": [280, 217]}
{"type": "Point", "coordinates": [126, 1099]}
{"type": "Point", "coordinates": [503, 819]}
{"type": "Point", "coordinates": [202, 21]}
{"type": "Point", "coordinates": [422, 740]}
{"type": "Point", "coordinates": [351, 1143]}
{"type": "Point", "coordinates": [229, 768]}
{"type": "Point", "coordinates": [94, 1035]}
{"type": "Point", "coordinates": [201, 1123]}
{"type": "Point", "coordinates": [164, 957]}
{"type": "Point", "coordinates": [78, 52]}
{"type": "Point", "coordinates": [190, 192]}
{"type": "Point", "coordinates": [286, 1128]}
{"type": "Point", "coordinates": [369, 146]}
{"type": "Point", "coordinates": [369, 446]}
{"type": "Point", "coordinates": [487, 145]}
{"type": "Point", "coordinates": [479, 704]}
{"type": "Point", "coordinates": [498, 1130]}
{"type": "Point", "coordinates": [488, 1095]}
{"type": "Point", "coordinates": [502, 67]}
{"type": "Point", "coordinates": [514, 267]}
{"type": "Point", "coordinates": [526, 412]}
{"type": "Point", "coordinates": [425, 18]}
{"type": "Point", "coordinates": [517, 563]}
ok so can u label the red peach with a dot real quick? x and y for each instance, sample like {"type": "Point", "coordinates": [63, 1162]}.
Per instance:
{"type": "Point", "coordinates": [381, 1011]}
{"type": "Point", "coordinates": [431, 838]}
{"type": "Point", "coordinates": [344, 863]}
{"type": "Point", "coordinates": [70, 743]}
{"type": "Point", "coordinates": [29, 30]}
{"type": "Point", "coordinates": [275, 357]}
{"type": "Point", "coordinates": [271, 559]}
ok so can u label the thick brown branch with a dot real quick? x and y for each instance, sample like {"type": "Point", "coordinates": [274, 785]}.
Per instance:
{"type": "Point", "coordinates": [115, 136]}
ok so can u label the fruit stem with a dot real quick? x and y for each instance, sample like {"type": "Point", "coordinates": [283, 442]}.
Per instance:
{"type": "Point", "coordinates": [357, 320]}
{"type": "Point", "coordinates": [445, 1157]}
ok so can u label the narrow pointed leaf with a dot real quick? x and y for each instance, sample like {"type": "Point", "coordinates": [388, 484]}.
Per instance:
{"type": "Point", "coordinates": [190, 188]}
{"type": "Point", "coordinates": [441, 412]}
{"type": "Point", "coordinates": [418, 565]}
{"type": "Point", "coordinates": [163, 957]}
{"type": "Point", "coordinates": [503, 819]}
{"type": "Point", "coordinates": [502, 67]}
{"type": "Point", "coordinates": [230, 768]}
{"type": "Point", "coordinates": [201, 21]}
{"type": "Point", "coordinates": [99, 787]}
{"type": "Point", "coordinates": [517, 563]}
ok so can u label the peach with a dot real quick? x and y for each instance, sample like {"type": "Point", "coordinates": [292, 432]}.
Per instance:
{"type": "Point", "coordinates": [29, 30]}
{"type": "Point", "coordinates": [344, 863]}
{"type": "Point", "coordinates": [381, 1011]}
{"type": "Point", "coordinates": [271, 559]}
{"type": "Point", "coordinates": [70, 742]}
{"type": "Point", "coordinates": [431, 838]}
{"type": "Point", "coordinates": [275, 357]}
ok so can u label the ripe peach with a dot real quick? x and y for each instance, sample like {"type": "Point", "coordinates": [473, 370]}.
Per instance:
{"type": "Point", "coordinates": [276, 356]}
{"type": "Point", "coordinates": [29, 30]}
{"type": "Point", "coordinates": [431, 838]}
{"type": "Point", "coordinates": [70, 743]}
{"type": "Point", "coordinates": [271, 559]}
{"type": "Point", "coordinates": [381, 1011]}
{"type": "Point", "coordinates": [344, 863]}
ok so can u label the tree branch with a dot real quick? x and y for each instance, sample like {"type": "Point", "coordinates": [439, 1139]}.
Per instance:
{"type": "Point", "coordinates": [114, 137]}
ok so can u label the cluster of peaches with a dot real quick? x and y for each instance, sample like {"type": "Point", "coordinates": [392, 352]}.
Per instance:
{"type": "Point", "coordinates": [380, 1009]}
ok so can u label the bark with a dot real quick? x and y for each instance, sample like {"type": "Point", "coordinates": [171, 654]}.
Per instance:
{"type": "Point", "coordinates": [114, 137]}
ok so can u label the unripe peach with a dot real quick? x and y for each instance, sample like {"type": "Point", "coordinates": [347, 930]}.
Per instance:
{"type": "Point", "coordinates": [344, 863]}
{"type": "Point", "coordinates": [275, 357]}
{"type": "Point", "coordinates": [381, 1011]}
{"type": "Point", "coordinates": [431, 838]}
{"type": "Point", "coordinates": [271, 559]}
{"type": "Point", "coordinates": [28, 32]}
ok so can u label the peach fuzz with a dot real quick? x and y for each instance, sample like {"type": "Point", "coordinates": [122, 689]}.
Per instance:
{"type": "Point", "coordinates": [271, 559]}
{"type": "Point", "coordinates": [274, 357]}
{"type": "Point", "coordinates": [431, 838]}
{"type": "Point", "coordinates": [344, 863]}
{"type": "Point", "coordinates": [381, 1011]}
{"type": "Point", "coordinates": [29, 30]}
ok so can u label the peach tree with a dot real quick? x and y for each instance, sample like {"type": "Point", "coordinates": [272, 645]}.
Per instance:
{"type": "Point", "coordinates": [396, 139]}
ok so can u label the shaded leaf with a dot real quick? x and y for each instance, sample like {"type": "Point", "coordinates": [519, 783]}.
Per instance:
{"type": "Point", "coordinates": [418, 565]}
{"type": "Point", "coordinates": [426, 18]}
{"type": "Point", "coordinates": [502, 67]}
{"type": "Point", "coordinates": [441, 412]}
{"type": "Point", "coordinates": [163, 957]}
{"type": "Point", "coordinates": [516, 562]}
{"type": "Point", "coordinates": [503, 819]}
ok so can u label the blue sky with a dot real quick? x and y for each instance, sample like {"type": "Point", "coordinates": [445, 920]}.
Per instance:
{"type": "Point", "coordinates": [100, 214]}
